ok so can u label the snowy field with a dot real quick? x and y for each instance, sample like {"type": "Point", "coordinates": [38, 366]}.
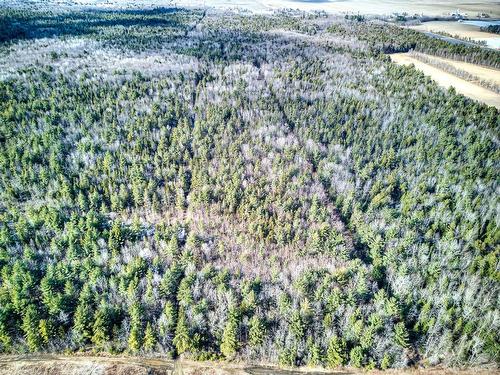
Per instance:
{"type": "Point", "coordinates": [427, 7]}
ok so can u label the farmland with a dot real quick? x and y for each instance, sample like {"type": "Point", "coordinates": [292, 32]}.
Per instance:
{"type": "Point", "coordinates": [462, 30]}
{"type": "Point", "coordinates": [470, 89]}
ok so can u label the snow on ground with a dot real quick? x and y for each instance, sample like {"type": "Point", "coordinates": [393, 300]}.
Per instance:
{"type": "Point", "coordinates": [428, 7]}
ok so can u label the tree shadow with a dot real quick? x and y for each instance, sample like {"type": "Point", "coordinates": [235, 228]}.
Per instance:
{"type": "Point", "coordinates": [159, 29]}
{"type": "Point", "coordinates": [18, 25]}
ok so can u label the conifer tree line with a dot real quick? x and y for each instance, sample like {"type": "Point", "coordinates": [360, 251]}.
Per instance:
{"type": "Point", "coordinates": [192, 184]}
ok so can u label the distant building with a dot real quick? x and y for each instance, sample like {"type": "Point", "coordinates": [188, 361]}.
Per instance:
{"type": "Point", "coordinates": [458, 15]}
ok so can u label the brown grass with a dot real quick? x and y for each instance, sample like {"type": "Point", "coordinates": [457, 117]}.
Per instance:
{"type": "Point", "coordinates": [428, 7]}
{"type": "Point", "coordinates": [48, 364]}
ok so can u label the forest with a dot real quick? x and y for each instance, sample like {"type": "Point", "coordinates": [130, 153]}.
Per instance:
{"type": "Point", "coordinates": [267, 188]}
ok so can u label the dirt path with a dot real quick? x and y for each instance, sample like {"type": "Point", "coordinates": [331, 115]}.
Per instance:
{"type": "Point", "coordinates": [487, 74]}
{"type": "Point", "coordinates": [50, 364]}
{"type": "Point", "coordinates": [446, 80]}
{"type": "Point", "coordinates": [92, 365]}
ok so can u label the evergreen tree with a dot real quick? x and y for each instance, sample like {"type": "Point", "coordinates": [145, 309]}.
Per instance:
{"type": "Point", "coordinates": [101, 326]}
{"type": "Point", "coordinates": [115, 239]}
{"type": "Point", "coordinates": [134, 339]}
{"type": "Point", "coordinates": [149, 338]}
{"type": "Point", "coordinates": [229, 344]}
{"type": "Point", "coordinates": [30, 328]}
{"type": "Point", "coordinates": [297, 325]}
{"type": "Point", "coordinates": [135, 335]}
{"type": "Point", "coordinates": [83, 319]}
{"type": "Point", "coordinates": [182, 339]}
{"type": "Point", "coordinates": [386, 362]}
{"type": "Point", "coordinates": [256, 332]}
{"type": "Point", "coordinates": [356, 357]}
{"type": "Point", "coordinates": [335, 353]}
{"type": "Point", "coordinates": [315, 354]}
{"type": "Point", "coordinates": [46, 330]}
{"type": "Point", "coordinates": [401, 335]}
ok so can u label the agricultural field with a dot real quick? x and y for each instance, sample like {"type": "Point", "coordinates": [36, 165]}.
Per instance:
{"type": "Point", "coordinates": [235, 191]}
{"type": "Point", "coordinates": [372, 7]}
{"type": "Point", "coordinates": [435, 68]}
{"type": "Point", "coordinates": [465, 30]}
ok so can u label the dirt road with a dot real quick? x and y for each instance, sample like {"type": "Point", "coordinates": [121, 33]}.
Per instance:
{"type": "Point", "coordinates": [49, 364]}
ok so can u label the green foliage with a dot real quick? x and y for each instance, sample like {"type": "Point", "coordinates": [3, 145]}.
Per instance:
{"type": "Point", "coordinates": [115, 239]}
{"type": "Point", "coordinates": [83, 319]}
{"type": "Point", "coordinates": [182, 338]}
{"type": "Point", "coordinates": [257, 331]}
{"type": "Point", "coordinates": [297, 325]}
{"type": "Point", "coordinates": [401, 334]}
{"type": "Point", "coordinates": [315, 354]}
{"type": "Point", "coordinates": [336, 352]}
{"type": "Point", "coordinates": [47, 331]}
{"type": "Point", "coordinates": [149, 338]}
{"type": "Point", "coordinates": [307, 188]}
{"type": "Point", "coordinates": [101, 326]}
{"type": "Point", "coordinates": [386, 362]}
{"type": "Point", "coordinates": [229, 344]}
{"type": "Point", "coordinates": [30, 328]}
{"type": "Point", "coordinates": [288, 356]}
{"type": "Point", "coordinates": [134, 339]}
{"type": "Point", "coordinates": [357, 357]}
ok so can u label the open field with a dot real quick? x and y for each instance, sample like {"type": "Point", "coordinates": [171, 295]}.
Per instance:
{"type": "Point", "coordinates": [460, 29]}
{"type": "Point", "coordinates": [387, 6]}
{"type": "Point", "coordinates": [76, 365]}
{"type": "Point", "coordinates": [483, 73]}
{"type": "Point", "coordinates": [446, 80]}
{"type": "Point", "coordinates": [427, 7]}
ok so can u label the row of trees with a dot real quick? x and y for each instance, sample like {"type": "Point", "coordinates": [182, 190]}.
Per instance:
{"type": "Point", "coordinates": [388, 38]}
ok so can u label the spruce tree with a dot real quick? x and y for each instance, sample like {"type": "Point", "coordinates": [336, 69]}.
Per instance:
{"type": "Point", "coordinates": [335, 353]}
{"type": "Point", "coordinates": [46, 330]}
{"type": "Point", "coordinates": [149, 338]}
{"type": "Point", "coordinates": [229, 343]}
{"type": "Point", "coordinates": [182, 340]}
{"type": "Point", "coordinates": [30, 328]}
{"type": "Point", "coordinates": [356, 357]}
{"type": "Point", "coordinates": [401, 335]}
{"type": "Point", "coordinates": [256, 332]}
{"type": "Point", "coordinates": [83, 319]}
{"type": "Point", "coordinates": [134, 339]}
{"type": "Point", "coordinates": [100, 328]}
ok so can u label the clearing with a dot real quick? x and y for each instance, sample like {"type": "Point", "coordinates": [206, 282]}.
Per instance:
{"type": "Point", "coordinates": [446, 80]}
{"type": "Point", "coordinates": [482, 72]}
{"type": "Point", "coordinates": [427, 7]}
{"type": "Point", "coordinates": [466, 30]}
{"type": "Point", "coordinates": [84, 365]}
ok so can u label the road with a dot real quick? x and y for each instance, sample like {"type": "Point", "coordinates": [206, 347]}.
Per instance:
{"type": "Point", "coordinates": [452, 40]}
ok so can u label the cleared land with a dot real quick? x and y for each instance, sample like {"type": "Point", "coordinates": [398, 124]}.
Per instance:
{"type": "Point", "coordinates": [388, 6]}
{"type": "Point", "coordinates": [83, 365]}
{"type": "Point", "coordinates": [428, 7]}
{"type": "Point", "coordinates": [461, 30]}
{"type": "Point", "coordinates": [446, 80]}
{"type": "Point", "coordinates": [483, 73]}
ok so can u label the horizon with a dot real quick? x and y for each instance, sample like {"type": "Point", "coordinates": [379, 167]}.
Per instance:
{"type": "Point", "coordinates": [367, 7]}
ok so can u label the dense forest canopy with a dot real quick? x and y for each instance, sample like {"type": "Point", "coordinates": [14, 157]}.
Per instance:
{"type": "Point", "coordinates": [266, 188]}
